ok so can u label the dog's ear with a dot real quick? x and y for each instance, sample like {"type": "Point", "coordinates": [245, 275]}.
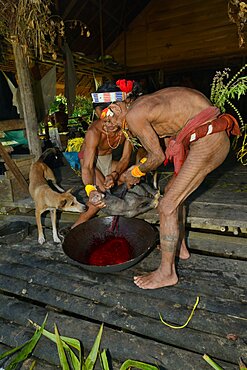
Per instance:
{"type": "Point", "coordinates": [69, 190]}
{"type": "Point", "coordinates": [62, 203]}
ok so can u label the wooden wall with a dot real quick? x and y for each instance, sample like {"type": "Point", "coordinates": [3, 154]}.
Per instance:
{"type": "Point", "coordinates": [178, 34]}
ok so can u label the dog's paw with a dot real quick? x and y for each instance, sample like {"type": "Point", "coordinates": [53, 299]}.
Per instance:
{"type": "Point", "coordinates": [56, 239]}
{"type": "Point", "coordinates": [41, 240]}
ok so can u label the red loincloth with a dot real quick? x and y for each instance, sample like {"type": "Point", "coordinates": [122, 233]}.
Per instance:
{"type": "Point", "coordinates": [178, 146]}
{"type": "Point", "coordinates": [81, 154]}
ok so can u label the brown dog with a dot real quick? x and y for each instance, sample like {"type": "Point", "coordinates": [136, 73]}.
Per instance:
{"type": "Point", "coordinates": [47, 199]}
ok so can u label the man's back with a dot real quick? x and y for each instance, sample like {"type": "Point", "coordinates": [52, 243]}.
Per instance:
{"type": "Point", "coordinates": [167, 110]}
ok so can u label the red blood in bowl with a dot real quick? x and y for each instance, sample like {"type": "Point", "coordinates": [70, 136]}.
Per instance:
{"type": "Point", "coordinates": [113, 250]}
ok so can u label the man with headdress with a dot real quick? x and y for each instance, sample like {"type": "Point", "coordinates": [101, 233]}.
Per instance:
{"type": "Point", "coordinates": [197, 140]}
{"type": "Point", "coordinates": [98, 169]}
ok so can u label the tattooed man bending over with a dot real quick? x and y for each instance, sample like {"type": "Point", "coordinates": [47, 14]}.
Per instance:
{"type": "Point", "coordinates": [197, 139]}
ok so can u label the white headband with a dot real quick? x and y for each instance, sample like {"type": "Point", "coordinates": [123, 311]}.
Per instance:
{"type": "Point", "coordinates": [108, 97]}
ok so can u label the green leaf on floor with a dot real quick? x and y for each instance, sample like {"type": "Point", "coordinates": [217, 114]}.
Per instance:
{"type": "Point", "coordinates": [137, 365]}
{"type": "Point", "coordinates": [25, 350]}
{"type": "Point", "coordinates": [92, 357]}
{"type": "Point", "coordinates": [211, 362]}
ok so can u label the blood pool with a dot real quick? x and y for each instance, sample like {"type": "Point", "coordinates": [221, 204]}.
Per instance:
{"type": "Point", "coordinates": [113, 250]}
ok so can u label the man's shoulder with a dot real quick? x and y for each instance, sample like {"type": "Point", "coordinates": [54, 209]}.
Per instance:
{"type": "Point", "coordinates": [96, 126]}
{"type": "Point", "coordinates": [94, 130]}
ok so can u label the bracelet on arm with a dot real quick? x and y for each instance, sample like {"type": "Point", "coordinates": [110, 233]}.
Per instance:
{"type": "Point", "coordinates": [89, 188]}
{"type": "Point", "coordinates": [136, 172]}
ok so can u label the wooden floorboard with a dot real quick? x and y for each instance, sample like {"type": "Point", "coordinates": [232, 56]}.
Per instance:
{"type": "Point", "coordinates": [35, 280]}
{"type": "Point", "coordinates": [45, 278]}
{"type": "Point", "coordinates": [122, 345]}
{"type": "Point", "coordinates": [218, 245]}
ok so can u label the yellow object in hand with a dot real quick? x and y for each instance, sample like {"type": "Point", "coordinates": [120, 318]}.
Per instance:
{"type": "Point", "coordinates": [89, 188]}
{"type": "Point", "coordinates": [136, 172]}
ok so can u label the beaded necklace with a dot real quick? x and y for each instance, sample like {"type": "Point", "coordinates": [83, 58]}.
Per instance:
{"type": "Point", "coordinates": [108, 140]}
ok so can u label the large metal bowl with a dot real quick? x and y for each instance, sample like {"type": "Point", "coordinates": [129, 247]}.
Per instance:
{"type": "Point", "coordinates": [140, 234]}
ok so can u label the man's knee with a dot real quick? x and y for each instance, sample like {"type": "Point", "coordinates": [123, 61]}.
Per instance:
{"type": "Point", "coordinates": [166, 207]}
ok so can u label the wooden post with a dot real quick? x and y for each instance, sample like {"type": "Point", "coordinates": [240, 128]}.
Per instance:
{"type": "Point", "coordinates": [27, 98]}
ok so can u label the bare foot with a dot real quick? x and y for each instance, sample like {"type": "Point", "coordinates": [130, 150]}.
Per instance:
{"type": "Point", "coordinates": [155, 279]}
{"type": "Point", "coordinates": [184, 254]}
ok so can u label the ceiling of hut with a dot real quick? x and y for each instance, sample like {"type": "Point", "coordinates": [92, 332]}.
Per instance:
{"type": "Point", "coordinates": [105, 20]}
{"type": "Point", "coordinates": [132, 36]}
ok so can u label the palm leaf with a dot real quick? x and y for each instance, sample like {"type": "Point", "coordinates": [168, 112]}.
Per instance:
{"type": "Point", "coordinates": [75, 343]}
{"type": "Point", "coordinates": [92, 357]}
{"type": "Point", "coordinates": [27, 349]}
{"type": "Point", "coordinates": [137, 365]}
{"type": "Point", "coordinates": [104, 361]}
{"type": "Point", "coordinates": [61, 352]}
{"type": "Point", "coordinates": [13, 350]}
{"type": "Point", "coordinates": [67, 342]}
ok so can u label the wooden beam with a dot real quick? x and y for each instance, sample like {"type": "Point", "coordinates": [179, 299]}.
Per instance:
{"type": "Point", "coordinates": [12, 124]}
{"type": "Point", "coordinates": [68, 9]}
{"type": "Point", "coordinates": [14, 169]}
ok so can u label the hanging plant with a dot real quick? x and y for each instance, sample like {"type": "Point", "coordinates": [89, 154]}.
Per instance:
{"type": "Point", "coordinates": [223, 92]}
{"type": "Point", "coordinates": [32, 24]}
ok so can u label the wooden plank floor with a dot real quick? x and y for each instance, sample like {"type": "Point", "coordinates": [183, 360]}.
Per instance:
{"type": "Point", "coordinates": [35, 280]}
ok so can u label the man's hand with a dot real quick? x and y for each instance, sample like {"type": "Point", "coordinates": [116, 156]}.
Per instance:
{"type": "Point", "coordinates": [129, 179]}
{"type": "Point", "coordinates": [110, 180]}
{"type": "Point", "coordinates": [96, 198]}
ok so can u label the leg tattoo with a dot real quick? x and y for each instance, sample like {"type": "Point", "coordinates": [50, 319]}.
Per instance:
{"type": "Point", "coordinates": [168, 243]}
